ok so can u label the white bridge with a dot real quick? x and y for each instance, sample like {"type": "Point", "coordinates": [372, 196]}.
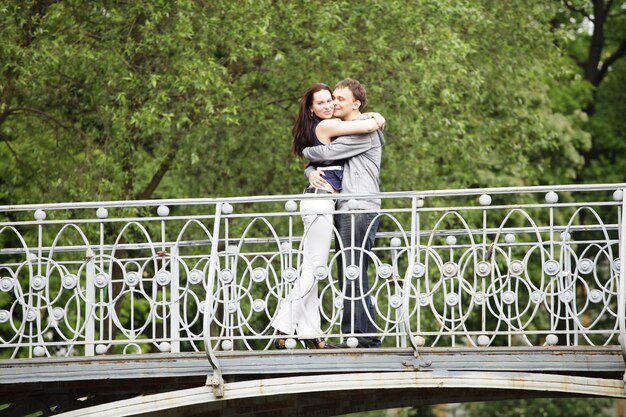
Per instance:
{"type": "Point", "coordinates": [138, 307]}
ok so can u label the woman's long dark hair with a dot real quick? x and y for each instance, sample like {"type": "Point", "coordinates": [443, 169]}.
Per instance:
{"type": "Point", "coordinates": [303, 128]}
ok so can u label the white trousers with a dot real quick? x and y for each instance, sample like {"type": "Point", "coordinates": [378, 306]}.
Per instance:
{"type": "Point", "coordinates": [299, 311]}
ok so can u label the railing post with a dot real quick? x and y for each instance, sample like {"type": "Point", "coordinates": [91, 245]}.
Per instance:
{"type": "Point", "coordinates": [621, 297]}
{"type": "Point", "coordinates": [90, 304]}
{"type": "Point", "coordinates": [215, 380]}
{"type": "Point", "coordinates": [413, 254]}
{"type": "Point", "coordinates": [175, 302]}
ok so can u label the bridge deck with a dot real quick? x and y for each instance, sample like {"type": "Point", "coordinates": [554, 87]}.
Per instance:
{"type": "Point", "coordinates": [104, 379]}
{"type": "Point", "coordinates": [185, 369]}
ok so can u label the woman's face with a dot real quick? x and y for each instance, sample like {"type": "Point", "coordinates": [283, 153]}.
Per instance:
{"type": "Point", "coordinates": [322, 104]}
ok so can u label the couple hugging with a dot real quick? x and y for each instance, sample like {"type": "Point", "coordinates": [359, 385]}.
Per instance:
{"type": "Point", "coordinates": [345, 149]}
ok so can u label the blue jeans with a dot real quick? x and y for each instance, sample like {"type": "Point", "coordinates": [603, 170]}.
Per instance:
{"type": "Point", "coordinates": [358, 310]}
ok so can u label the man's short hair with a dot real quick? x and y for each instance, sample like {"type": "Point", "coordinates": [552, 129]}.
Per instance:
{"type": "Point", "coordinates": [358, 91]}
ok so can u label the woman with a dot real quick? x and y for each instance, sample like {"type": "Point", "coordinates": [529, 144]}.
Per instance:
{"type": "Point", "coordinates": [299, 311]}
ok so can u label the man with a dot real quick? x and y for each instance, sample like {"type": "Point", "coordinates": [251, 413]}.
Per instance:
{"type": "Point", "coordinates": [361, 176]}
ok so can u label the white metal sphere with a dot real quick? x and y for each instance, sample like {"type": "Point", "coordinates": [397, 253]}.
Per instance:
{"type": "Point", "coordinates": [479, 298]}
{"type": "Point", "coordinates": [352, 342]}
{"type": "Point", "coordinates": [163, 211]}
{"type": "Point", "coordinates": [384, 271]}
{"type": "Point", "coordinates": [58, 313]}
{"type": "Point", "coordinates": [419, 341]}
{"type": "Point", "coordinates": [484, 200]}
{"type": "Point", "coordinates": [40, 215]}
{"type": "Point", "coordinates": [585, 265]}
{"type": "Point", "coordinates": [551, 339]}
{"type": "Point", "coordinates": [565, 236]}
{"type": "Point", "coordinates": [509, 297]}
{"type": "Point", "coordinates": [595, 296]}
{"type": "Point", "coordinates": [618, 195]}
{"type": "Point", "coordinates": [258, 305]}
{"type": "Point", "coordinates": [6, 284]}
{"type": "Point", "coordinates": [69, 281]}
{"type": "Point", "coordinates": [165, 347]}
{"type": "Point", "coordinates": [451, 240]}
{"type": "Point", "coordinates": [258, 274]}
{"type": "Point", "coordinates": [4, 316]}
{"type": "Point", "coordinates": [418, 270]}
{"type": "Point", "coordinates": [290, 343]}
{"type": "Point", "coordinates": [102, 213]}
{"type": "Point", "coordinates": [132, 278]}
{"type": "Point", "coordinates": [483, 268]}
{"type": "Point", "coordinates": [291, 206]}
{"type": "Point", "coordinates": [31, 315]}
{"type": "Point", "coordinates": [395, 301]}
{"type": "Point", "coordinates": [452, 299]}
{"type": "Point", "coordinates": [352, 272]}
{"type": "Point", "coordinates": [509, 238]}
{"type": "Point", "coordinates": [482, 340]}
{"type": "Point", "coordinates": [537, 296]}
{"type": "Point", "coordinates": [353, 204]}
{"type": "Point", "coordinates": [38, 282]}
{"type": "Point", "coordinates": [39, 351]}
{"type": "Point", "coordinates": [395, 242]}
{"type": "Point", "coordinates": [101, 349]}
{"type": "Point", "coordinates": [552, 197]}
{"type": "Point", "coordinates": [227, 345]}
{"type": "Point", "coordinates": [285, 246]}
{"type": "Point", "coordinates": [551, 267]}
{"type": "Point", "coordinates": [321, 272]}
{"type": "Point", "coordinates": [101, 280]}
{"type": "Point", "coordinates": [227, 208]}
{"type": "Point", "coordinates": [420, 202]}
{"type": "Point", "coordinates": [195, 276]}
{"type": "Point", "coordinates": [290, 274]}
{"type": "Point", "coordinates": [162, 277]}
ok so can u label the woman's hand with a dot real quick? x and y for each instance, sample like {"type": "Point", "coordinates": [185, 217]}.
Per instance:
{"type": "Point", "coordinates": [316, 179]}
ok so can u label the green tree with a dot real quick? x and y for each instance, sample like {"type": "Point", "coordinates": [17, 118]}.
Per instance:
{"type": "Point", "coordinates": [114, 100]}
{"type": "Point", "coordinates": [596, 45]}
{"type": "Point", "coordinates": [543, 407]}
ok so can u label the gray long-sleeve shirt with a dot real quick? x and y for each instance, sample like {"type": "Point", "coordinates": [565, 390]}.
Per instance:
{"type": "Point", "coordinates": [362, 170]}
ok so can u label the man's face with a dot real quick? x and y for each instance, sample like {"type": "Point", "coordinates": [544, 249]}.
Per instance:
{"type": "Point", "coordinates": [344, 102]}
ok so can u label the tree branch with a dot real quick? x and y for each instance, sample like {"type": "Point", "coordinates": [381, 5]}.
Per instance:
{"type": "Point", "coordinates": [23, 163]}
{"type": "Point", "coordinates": [620, 52]}
{"type": "Point", "coordinates": [609, 4]}
{"type": "Point", "coordinates": [49, 118]}
{"type": "Point", "coordinates": [594, 56]}
{"type": "Point", "coordinates": [577, 10]}
{"type": "Point", "coordinates": [5, 115]}
{"type": "Point", "coordinates": [160, 173]}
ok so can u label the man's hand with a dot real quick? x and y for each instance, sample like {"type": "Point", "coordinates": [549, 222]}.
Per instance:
{"type": "Point", "coordinates": [316, 179]}
{"type": "Point", "coordinates": [380, 120]}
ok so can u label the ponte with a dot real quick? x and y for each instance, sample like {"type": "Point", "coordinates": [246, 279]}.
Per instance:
{"type": "Point", "coordinates": [151, 307]}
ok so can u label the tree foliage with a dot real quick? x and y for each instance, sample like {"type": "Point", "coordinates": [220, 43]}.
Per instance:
{"type": "Point", "coordinates": [543, 407]}
{"type": "Point", "coordinates": [117, 100]}
{"type": "Point", "coordinates": [596, 46]}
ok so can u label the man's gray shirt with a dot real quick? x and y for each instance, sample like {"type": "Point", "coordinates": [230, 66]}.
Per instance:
{"type": "Point", "coordinates": [361, 172]}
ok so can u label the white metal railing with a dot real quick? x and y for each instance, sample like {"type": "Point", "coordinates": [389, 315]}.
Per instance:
{"type": "Point", "coordinates": [527, 266]}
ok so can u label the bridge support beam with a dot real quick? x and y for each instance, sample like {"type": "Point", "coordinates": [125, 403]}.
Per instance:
{"type": "Point", "coordinates": [407, 386]}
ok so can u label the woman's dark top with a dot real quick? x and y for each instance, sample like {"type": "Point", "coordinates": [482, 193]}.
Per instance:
{"type": "Point", "coordinates": [333, 172]}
